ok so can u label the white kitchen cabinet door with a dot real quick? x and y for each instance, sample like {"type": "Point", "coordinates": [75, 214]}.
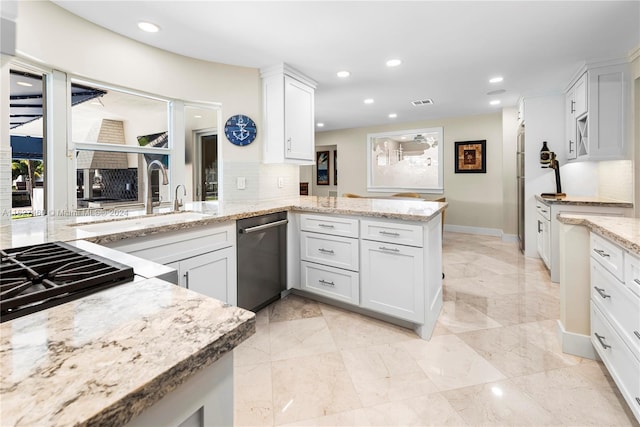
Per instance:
{"type": "Point", "coordinates": [580, 96]}
{"type": "Point", "coordinates": [298, 118]}
{"type": "Point", "coordinates": [212, 274]}
{"type": "Point", "coordinates": [544, 240]}
{"type": "Point", "coordinates": [288, 116]}
{"type": "Point", "coordinates": [570, 123]}
{"type": "Point", "coordinates": [392, 280]}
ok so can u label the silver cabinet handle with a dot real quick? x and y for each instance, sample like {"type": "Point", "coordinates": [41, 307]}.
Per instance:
{"type": "Point", "coordinates": [637, 334]}
{"type": "Point", "coordinates": [544, 210]}
{"type": "Point", "coordinates": [382, 248]}
{"type": "Point", "coordinates": [326, 251]}
{"type": "Point", "coordinates": [637, 281]}
{"type": "Point", "coordinates": [324, 282]}
{"type": "Point", "coordinates": [573, 110]}
{"type": "Point", "coordinates": [601, 292]}
{"type": "Point", "coordinates": [602, 253]}
{"type": "Point", "coordinates": [288, 144]}
{"type": "Point", "coordinates": [539, 225]}
{"type": "Point", "coordinates": [326, 226]}
{"type": "Point", "coordinates": [263, 226]}
{"type": "Point", "coordinates": [389, 233]}
{"type": "Point", "coordinates": [186, 280]}
{"type": "Point", "coordinates": [601, 339]}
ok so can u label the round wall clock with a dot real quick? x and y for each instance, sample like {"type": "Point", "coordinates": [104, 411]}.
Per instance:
{"type": "Point", "coordinates": [240, 130]}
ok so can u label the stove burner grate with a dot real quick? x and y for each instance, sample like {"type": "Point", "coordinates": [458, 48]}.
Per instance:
{"type": "Point", "coordinates": [36, 277]}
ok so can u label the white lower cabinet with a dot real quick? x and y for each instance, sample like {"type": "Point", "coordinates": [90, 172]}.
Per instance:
{"type": "Point", "coordinates": [335, 283]}
{"type": "Point", "coordinates": [615, 315]}
{"type": "Point", "coordinates": [393, 280]}
{"type": "Point", "coordinates": [212, 274]}
{"type": "Point", "coordinates": [392, 268]}
{"type": "Point", "coordinates": [204, 257]}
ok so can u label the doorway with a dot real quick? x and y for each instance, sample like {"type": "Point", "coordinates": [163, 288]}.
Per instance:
{"type": "Point", "coordinates": [208, 147]}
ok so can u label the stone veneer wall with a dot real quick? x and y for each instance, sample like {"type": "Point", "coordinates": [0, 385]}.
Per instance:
{"type": "Point", "coordinates": [111, 132]}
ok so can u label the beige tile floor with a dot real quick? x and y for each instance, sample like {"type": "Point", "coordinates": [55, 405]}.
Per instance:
{"type": "Point", "coordinates": [494, 358]}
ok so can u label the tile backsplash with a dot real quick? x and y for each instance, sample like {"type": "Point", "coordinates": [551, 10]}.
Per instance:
{"type": "Point", "coordinates": [261, 181]}
{"type": "Point", "coordinates": [615, 180]}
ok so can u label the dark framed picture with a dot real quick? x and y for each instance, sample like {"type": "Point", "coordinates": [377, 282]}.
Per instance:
{"type": "Point", "coordinates": [322, 168]}
{"type": "Point", "coordinates": [335, 167]}
{"type": "Point", "coordinates": [471, 156]}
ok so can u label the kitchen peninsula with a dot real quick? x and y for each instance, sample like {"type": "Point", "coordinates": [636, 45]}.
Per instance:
{"type": "Point", "coordinates": [96, 364]}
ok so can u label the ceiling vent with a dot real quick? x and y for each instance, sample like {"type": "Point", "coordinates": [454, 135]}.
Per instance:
{"type": "Point", "coordinates": [427, 101]}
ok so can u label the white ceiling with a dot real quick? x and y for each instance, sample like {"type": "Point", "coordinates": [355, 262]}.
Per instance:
{"type": "Point", "coordinates": [449, 49]}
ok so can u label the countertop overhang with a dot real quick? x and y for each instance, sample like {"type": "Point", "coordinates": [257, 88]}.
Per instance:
{"type": "Point", "coordinates": [105, 358]}
{"type": "Point", "coordinates": [584, 201]}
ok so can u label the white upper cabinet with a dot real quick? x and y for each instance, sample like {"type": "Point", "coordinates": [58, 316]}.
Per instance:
{"type": "Point", "coordinates": [288, 112]}
{"type": "Point", "coordinates": [597, 114]}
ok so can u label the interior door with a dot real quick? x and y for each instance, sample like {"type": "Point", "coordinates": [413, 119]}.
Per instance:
{"type": "Point", "coordinates": [209, 167]}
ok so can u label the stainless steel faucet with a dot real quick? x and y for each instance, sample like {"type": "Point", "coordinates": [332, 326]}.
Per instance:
{"type": "Point", "coordinates": [177, 204]}
{"type": "Point", "coordinates": [165, 181]}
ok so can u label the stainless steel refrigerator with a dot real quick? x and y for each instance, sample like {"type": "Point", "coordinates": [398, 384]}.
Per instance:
{"type": "Point", "coordinates": [520, 185]}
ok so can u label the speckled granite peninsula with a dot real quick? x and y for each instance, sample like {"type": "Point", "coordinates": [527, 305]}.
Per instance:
{"type": "Point", "coordinates": [584, 201]}
{"type": "Point", "coordinates": [621, 230]}
{"type": "Point", "coordinates": [105, 358]}
{"type": "Point", "coordinates": [107, 226]}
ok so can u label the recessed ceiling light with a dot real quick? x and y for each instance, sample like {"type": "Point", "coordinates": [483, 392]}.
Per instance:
{"type": "Point", "coordinates": [148, 27]}
{"type": "Point", "coordinates": [393, 115]}
{"type": "Point", "coordinates": [26, 84]}
{"type": "Point", "coordinates": [198, 116]}
{"type": "Point", "coordinates": [368, 101]}
{"type": "Point", "coordinates": [495, 102]}
{"type": "Point", "coordinates": [496, 80]}
{"type": "Point", "coordinates": [320, 125]}
{"type": "Point", "coordinates": [343, 74]}
{"type": "Point", "coordinates": [393, 62]}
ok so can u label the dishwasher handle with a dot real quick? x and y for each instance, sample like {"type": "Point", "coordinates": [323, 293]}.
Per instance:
{"type": "Point", "coordinates": [263, 226]}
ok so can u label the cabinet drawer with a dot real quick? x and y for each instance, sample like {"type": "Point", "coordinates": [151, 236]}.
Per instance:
{"type": "Point", "coordinates": [392, 232]}
{"type": "Point", "coordinates": [632, 272]}
{"type": "Point", "coordinates": [335, 226]}
{"type": "Point", "coordinates": [623, 366]}
{"type": "Point", "coordinates": [608, 254]}
{"type": "Point", "coordinates": [543, 210]}
{"type": "Point", "coordinates": [335, 251]}
{"type": "Point", "coordinates": [331, 282]}
{"type": "Point", "coordinates": [618, 303]}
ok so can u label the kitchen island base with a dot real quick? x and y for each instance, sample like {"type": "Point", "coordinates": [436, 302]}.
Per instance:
{"type": "Point", "coordinates": [205, 400]}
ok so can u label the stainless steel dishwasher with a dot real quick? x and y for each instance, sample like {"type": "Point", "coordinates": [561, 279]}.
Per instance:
{"type": "Point", "coordinates": [262, 259]}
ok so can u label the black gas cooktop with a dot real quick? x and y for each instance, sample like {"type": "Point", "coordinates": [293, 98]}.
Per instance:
{"type": "Point", "coordinates": [33, 278]}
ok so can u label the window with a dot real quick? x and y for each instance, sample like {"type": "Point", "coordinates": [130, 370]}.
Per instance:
{"type": "Point", "coordinates": [116, 135]}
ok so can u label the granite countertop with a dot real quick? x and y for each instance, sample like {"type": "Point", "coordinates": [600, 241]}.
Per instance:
{"type": "Point", "coordinates": [102, 226]}
{"type": "Point", "coordinates": [103, 359]}
{"type": "Point", "coordinates": [585, 201]}
{"type": "Point", "coordinates": [621, 230]}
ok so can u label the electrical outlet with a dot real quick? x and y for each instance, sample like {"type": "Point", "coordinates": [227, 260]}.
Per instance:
{"type": "Point", "coordinates": [280, 182]}
{"type": "Point", "coordinates": [241, 183]}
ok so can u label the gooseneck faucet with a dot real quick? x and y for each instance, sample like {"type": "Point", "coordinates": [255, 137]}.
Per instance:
{"type": "Point", "coordinates": [177, 204]}
{"type": "Point", "coordinates": [165, 181]}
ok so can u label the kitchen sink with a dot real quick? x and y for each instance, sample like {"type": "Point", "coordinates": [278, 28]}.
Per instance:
{"type": "Point", "coordinates": [143, 221]}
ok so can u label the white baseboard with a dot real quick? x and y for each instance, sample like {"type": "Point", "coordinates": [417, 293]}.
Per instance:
{"type": "Point", "coordinates": [576, 344]}
{"type": "Point", "coordinates": [473, 230]}
{"type": "Point", "coordinates": [510, 238]}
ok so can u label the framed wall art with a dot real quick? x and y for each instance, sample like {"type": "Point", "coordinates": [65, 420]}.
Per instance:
{"type": "Point", "coordinates": [471, 156]}
{"type": "Point", "coordinates": [322, 168]}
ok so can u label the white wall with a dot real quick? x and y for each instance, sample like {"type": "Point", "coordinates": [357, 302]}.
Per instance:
{"type": "Point", "coordinates": [475, 200]}
{"type": "Point", "coordinates": [51, 36]}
